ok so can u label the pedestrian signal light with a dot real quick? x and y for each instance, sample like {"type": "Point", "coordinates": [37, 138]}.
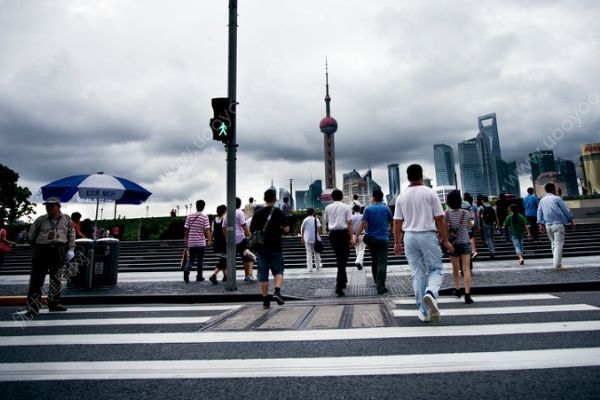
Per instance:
{"type": "Point", "coordinates": [222, 123]}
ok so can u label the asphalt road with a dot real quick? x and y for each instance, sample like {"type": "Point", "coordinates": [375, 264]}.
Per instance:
{"type": "Point", "coordinates": [542, 346]}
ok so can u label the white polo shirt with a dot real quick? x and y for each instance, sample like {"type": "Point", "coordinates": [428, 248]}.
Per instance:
{"type": "Point", "coordinates": [337, 215]}
{"type": "Point", "coordinates": [417, 206]}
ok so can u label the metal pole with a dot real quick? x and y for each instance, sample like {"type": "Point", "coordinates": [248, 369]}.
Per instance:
{"type": "Point", "coordinates": [291, 196]}
{"type": "Point", "coordinates": [231, 148]}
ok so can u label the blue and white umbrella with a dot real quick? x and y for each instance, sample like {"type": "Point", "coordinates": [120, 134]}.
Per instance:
{"type": "Point", "coordinates": [98, 187]}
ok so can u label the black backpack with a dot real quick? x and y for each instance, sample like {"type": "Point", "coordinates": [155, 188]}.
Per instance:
{"type": "Point", "coordinates": [489, 215]}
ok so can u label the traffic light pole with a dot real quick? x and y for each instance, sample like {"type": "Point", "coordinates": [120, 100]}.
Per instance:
{"type": "Point", "coordinates": [231, 148]}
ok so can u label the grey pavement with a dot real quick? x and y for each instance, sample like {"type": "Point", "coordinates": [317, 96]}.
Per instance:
{"type": "Point", "coordinates": [299, 283]}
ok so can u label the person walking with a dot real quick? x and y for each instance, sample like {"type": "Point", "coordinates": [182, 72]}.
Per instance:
{"type": "Point", "coordinates": [458, 222]}
{"type": "Point", "coordinates": [219, 245]}
{"type": "Point", "coordinates": [474, 226]}
{"type": "Point", "coordinates": [5, 244]}
{"type": "Point", "coordinates": [359, 244]}
{"type": "Point", "coordinates": [552, 216]}
{"type": "Point", "coordinates": [516, 224]}
{"type": "Point", "coordinates": [241, 243]}
{"type": "Point", "coordinates": [273, 222]}
{"type": "Point", "coordinates": [53, 239]}
{"type": "Point", "coordinates": [418, 213]}
{"type": "Point", "coordinates": [310, 233]}
{"type": "Point", "coordinates": [339, 222]}
{"type": "Point", "coordinates": [489, 224]}
{"type": "Point", "coordinates": [250, 208]}
{"type": "Point", "coordinates": [531, 203]}
{"type": "Point", "coordinates": [197, 237]}
{"type": "Point", "coordinates": [376, 223]}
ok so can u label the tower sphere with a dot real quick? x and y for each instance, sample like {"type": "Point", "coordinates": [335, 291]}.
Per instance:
{"type": "Point", "coordinates": [328, 125]}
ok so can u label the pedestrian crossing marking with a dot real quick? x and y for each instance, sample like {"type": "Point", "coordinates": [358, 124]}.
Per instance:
{"type": "Point", "coordinates": [25, 323]}
{"type": "Point", "coordinates": [428, 330]}
{"type": "Point", "coordinates": [303, 367]}
{"type": "Point", "coordinates": [485, 298]}
{"type": "Point", "coordinates": [502, 310]}
{"type": "Point", "coordinates": [89, 310]}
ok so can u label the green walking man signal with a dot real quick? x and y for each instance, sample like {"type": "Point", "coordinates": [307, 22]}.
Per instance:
{"type": "Point", "coordinates": [222, 124]}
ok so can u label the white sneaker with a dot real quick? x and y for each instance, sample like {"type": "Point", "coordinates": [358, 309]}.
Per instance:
{"type": "Point", "coordinates": [423, 317]}
{"type": "Point", "coordinates": [250, 255]}
{"type": "Point", "coordinates": [309, 270]}
{"type": "Point", "coordinates": [250, 278]}
{"type": "Point", "coordinates": [432, 306]}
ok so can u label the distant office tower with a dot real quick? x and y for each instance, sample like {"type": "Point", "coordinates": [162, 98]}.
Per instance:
{"type": "Point", "coordinates": [393, 180]}
{"type": "Point", "coordinates": [471, 170]}
{"type": "Point", "coordinates": [328, 126]}
{"type": "Point", "coordinates": [362, 186]}
{"type": "Point", "coordinates": [283, 193]}
{"type": "Point", "coordinates": [313, 195]}
{"type": "Point", "coordinates": [427, 182]}
{"type": "Point", "coordinates": [567, 169]}
{"type": "Point", "coordinates": [550, 177]}
{"type": "Point", "coordinates": [301, 196]}
{"type": "Point", "coordinates": [590, 166]}
{"type": "Point", "coordinates": [488, 164]}
{"type": "Point", "coordinates": [541, 161]}
{"type": "Point", "coordinates": [489, 128]}
{"type": "Point", "coordinates": [511, 181]}
{"type": "Point", "coordinates": [443, 158]}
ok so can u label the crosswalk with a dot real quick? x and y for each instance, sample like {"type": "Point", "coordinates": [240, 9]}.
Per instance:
{"type": "Point", "coordinates": [352, 337]}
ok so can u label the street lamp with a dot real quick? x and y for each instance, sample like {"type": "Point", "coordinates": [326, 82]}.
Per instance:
{"type": "Point", "coordinates": [177, 210]}
{"type": "Point", "coordinates": [101, 213]}
{"type": "Point", "coordinates": [186, 209]}
{"type": "Point", "coordinates": [147, 209]}
{"type": "Point", "coordinates": [291, 197]}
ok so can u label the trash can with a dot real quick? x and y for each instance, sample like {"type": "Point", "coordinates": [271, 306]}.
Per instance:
{"type": "Point", "coordinates": [78, 271]}
{"type": "Point", "coordinates": [106, 263]}
{"type": "Point", "coordinates": [102, 272]}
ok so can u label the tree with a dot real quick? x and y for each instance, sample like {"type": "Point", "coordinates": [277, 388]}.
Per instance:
{"type": "Point", "coordinates": [14, 199]}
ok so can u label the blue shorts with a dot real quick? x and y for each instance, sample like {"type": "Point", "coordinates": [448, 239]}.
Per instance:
{"type": "Point", "coordinates": [461, 249]}
{"type": "Point", "coordinates": [269, 261]}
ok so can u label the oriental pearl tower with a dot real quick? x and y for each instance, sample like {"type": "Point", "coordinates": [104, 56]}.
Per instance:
{"type": "Point", "coordinates": [328, 126]}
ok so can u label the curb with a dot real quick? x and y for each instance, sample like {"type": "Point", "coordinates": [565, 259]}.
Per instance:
{"type": "Point", "coordinates": [583, 286]}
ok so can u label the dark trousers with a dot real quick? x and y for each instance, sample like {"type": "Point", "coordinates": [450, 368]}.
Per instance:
{"type": "Point", "coordinates": [379, 257]}
{"type": "Point", "coordinates": [340, 242]}
{"type": "Point", "coordinates": [46, 259]}
{"type": "Point", "coordinates": [196, 255]}
{"type": "Point", "coordinates": [533, 227]}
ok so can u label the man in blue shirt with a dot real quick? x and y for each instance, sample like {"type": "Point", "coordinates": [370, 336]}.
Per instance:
{"type": "Point", "coordinates": [376, 219]}
{"type": "Point", "coordinates": [531, 202]}
{"type": "Point", "coordinates": [553, 214]}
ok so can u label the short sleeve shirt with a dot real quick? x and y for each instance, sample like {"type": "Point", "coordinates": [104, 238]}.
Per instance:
{"type": "Point", "coordinates": [240, 221]}
{"type": "Point", "coordinates": [196, 223]}
{"type": "Point", "coordinates": [274, 227]}
{"type": "Point", "coordinates": [417, 206]}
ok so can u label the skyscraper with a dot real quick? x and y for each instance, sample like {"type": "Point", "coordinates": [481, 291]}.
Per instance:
{"type": "Point", "coordinates": [394, 181]}
{"type": "Point", "coordinates": [567, 169]}
{"type": "Point", "coordinates": [328, 126]}
{"type": "Point", "coordinates": [512, 179]}
{"type": "Point", "coordinates": [362, 186]}
{"type": "Point", "coordinates": [489, 128]}
{"type": "Point", "coordinates": [540, 162]}
{"type": "Point", "coordinates": [590, 167]}
{"type": "Point", "coordinates": [488, 164]}
{"type": "Point", "coordinates": [443, 158]}
{"type": "Point", "coordinates": [471, 170]}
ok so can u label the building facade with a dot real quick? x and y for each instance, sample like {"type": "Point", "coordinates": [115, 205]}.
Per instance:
{"type": "Point", "coordinates": [550, 177]}
{"type": "Point", "coordinates": [590, 167]}
{"type": "Point", "coordinates": [362, 186]}
{"type": "Point", "coordinates": [443, 158]}
{"type": "Point", "coordinates": [470, 167]}
{"type": "Point", "coordinates": [394, 181]}
{"type": "Point", "coordinates": [488, 126]}
{"type": "Point", "coordinates": [488, 164]}
{"type": "Point", "coordinates": [567, 169]}
{"type": "Point", "coordinates": [540, 162]}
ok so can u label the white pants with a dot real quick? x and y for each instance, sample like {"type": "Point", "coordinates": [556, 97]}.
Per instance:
{"type": "Point", "coordinates": [360, 250]}
{"type": "Point", "coordinates": [556, 234]}
{"type": "Point", "coordinates": [310, 253]}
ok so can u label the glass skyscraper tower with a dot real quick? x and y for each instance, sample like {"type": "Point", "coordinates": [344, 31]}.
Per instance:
{"type": "Point", "coordinates": [393, 180]}
{"type": "Point", "coordinates": [489, 128]}
{"type": "Point", "coordinates": [443, 158]}
{"type": "Point", "coordinates": [471, 171]}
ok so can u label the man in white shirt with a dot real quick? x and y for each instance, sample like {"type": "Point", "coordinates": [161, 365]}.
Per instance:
{"type": "Point", "coordinates": [339, 221]}
{"type": "Point", "coordinates": [359, 245]}
{"type": "Point", "coordinates": [417, 216]}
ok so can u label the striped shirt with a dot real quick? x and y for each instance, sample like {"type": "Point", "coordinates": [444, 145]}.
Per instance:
{"type": "Point", "coordinates": [458, 221]}
{"type": "Point", "coordinates": [196, 224]}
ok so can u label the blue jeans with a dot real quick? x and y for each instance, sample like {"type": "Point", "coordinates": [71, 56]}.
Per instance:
{"type": "Point", "coordinates": [424, 256]}
{"type": "Point", "coordinates": [269, 261]}
{"type": "Point", "coordinates": [196, 254]}
{"type": "Point", "coordinates": [518, 242]}
{"type": "Point", "coordinates": [488, 233]}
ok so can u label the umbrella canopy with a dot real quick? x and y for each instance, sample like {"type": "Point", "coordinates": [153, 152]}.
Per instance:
{"type": "Point", "coordinates": [97, 186]}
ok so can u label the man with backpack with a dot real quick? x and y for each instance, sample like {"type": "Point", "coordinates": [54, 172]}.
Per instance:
{"type": "Point", "coordinates": [489, 223]}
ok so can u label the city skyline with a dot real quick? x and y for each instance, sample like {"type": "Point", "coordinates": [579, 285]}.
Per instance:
{"type": "Point", "coordinates": [405, 76]}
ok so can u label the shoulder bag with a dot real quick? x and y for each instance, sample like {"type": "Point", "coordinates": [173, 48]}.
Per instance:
{"type": "Point", "coordinates": [257, 240]}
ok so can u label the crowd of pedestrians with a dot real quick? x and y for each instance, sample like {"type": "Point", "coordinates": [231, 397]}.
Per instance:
{"type": "Point", "coordinates": [421, 229]}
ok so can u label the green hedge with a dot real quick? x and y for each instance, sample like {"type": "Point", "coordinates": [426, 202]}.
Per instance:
{"type": "Point", "coordinates": [159, 228]}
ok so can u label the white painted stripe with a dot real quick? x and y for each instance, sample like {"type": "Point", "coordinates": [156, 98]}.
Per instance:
{"type": "Point", "coordinates": [303, 367]}
{"type": "Point", "coordinates": [502, 310]}
{"type": "Point", "coordinates": [425, 330]}
{"type": "Point", "coordinates": [108, 309]}
{"type": "Point", "coordinates": [485, 298]}
{"type": "Point", "coordinates": [24, 323]}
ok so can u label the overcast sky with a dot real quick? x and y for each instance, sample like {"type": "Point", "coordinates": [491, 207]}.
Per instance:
{"type": "Point", "coordinates": [124, 87]}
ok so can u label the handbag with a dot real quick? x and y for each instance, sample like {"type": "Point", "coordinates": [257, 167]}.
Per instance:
{"type": "Point", "coordinates": [318, 243]}
{"type": "Point", "coordinates": [257, 240]}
